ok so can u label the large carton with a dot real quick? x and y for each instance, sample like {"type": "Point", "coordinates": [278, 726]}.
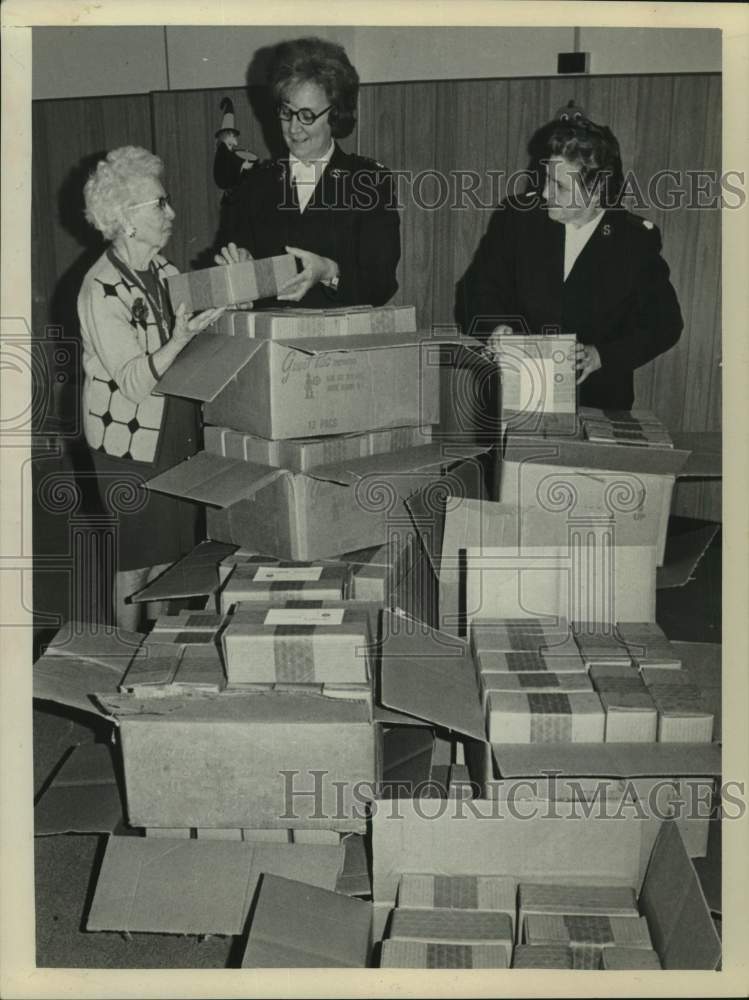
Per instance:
{"type": "Point", "coordinates": [309, 387]}
{"type": "Point", "coordinates": [248, 760]}
{"type": "Point", "coordinates": [334, 509]}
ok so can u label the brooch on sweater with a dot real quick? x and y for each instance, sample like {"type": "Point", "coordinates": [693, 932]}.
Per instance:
{"type": "Point", "coordinates": [139, 313]}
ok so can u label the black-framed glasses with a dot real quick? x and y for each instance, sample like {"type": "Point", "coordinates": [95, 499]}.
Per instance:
{"type": "Point", "coordinates": [305, 115]}
{"type": "Point", "coordinates": [163, 202]}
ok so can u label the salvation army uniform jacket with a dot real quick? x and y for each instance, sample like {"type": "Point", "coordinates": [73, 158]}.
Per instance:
{"type": "Point", "coordinates": [617, 296]}
{"type": "Point", "coordinates": [119, 332]}
{"type": "Point", "coordinates": [352, 218]}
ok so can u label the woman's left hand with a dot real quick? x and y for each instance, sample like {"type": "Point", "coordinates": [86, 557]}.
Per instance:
{"type": "Point", "coordinates": [315, 269]}
{"type": "Point", "coordinates": [587, 361]}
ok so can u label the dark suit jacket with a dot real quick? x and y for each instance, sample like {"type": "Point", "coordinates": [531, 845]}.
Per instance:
{"type": "Point", "coordinates": [617, 296]}
{"type": "Point", "coordinates": [352, 218]}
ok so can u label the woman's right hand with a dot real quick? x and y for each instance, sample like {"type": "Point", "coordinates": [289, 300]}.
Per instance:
{"type": "Point", "coordinates": [492, 346]}
{"type": "Point", "coordinates": [232, 254]}
{"type": "Point", "coordinates": [185, 329]}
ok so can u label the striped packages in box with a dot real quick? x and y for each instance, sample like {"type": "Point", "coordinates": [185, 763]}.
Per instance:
{"type": "Point", "coordinates": [544, 718]}
{"type": "Point", "coordinates": [682, 716]}
{"type": "Point", "coordinates": [229, 284]}
{"type": "Point", "coordinates": [542, 956]}
{"type": "Point", "coordinates": [528, 663]}
{"type": "Point", "coordinates": [400, 954]}
{"type": "Point", "coordinates": [631, 715]}
{"type": "Point", "coordinates": [543, 680]}
{"type": "Point", "coordinates": [575, 900]}
{"type": "Point", "coordinates": [297, 645]}
{"type": "Point", "coordinates": [296, 454]}
{"type": "Point", "coordinates": [295, 324]}
{"type": "Point", "coordinates": [587, 935]}
{"type": "Point", "coordinates": [505, 635]}
{"type": "Point", "coordinates": [285, 581]}
{"type": "Point", "coordinates": [453, 927]}
{"type": "Point", "coordinates": [460, 892]}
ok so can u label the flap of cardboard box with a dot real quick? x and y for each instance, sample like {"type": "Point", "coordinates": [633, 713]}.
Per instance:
{"type": "Point", "coordinates": [426, 456]}
{"type": "Point", "coordinates": [672, 899]}
{"type": "Point", "coordinates": [71, 681]}
{"type": "Point", "coordinates": [706, 458]}
{"type": "Point", "coordinates": [611, 760]}
{"type": "Point", "coordinates": [195, 575]}
{"type": "Point", "coordinates": [93, 641]}
{"type": "Point", "coordinates": [370, 342]}
{"type": "Point", "coordinates": [197, 886]}
{"type": "Point", "coordinates": [355, 879]}
{"type": "Point", "coordinates": [582, 454]}
{"type": "Point", "coordinates": [214, 480]}
{"type": "Point", "coordinates": [83, 796]}
{"type": "Point", "coordinates": [687, 542]}
{"type": "Point", "coordinates": [431, 675]}
{"type": "Point", "coordinates": [206, 365]}
{"type": "Point", "coordinates": [301, 926]}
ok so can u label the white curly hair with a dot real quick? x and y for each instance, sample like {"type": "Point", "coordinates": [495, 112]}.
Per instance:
{"type": "Point", "coordinates": [110, 186]}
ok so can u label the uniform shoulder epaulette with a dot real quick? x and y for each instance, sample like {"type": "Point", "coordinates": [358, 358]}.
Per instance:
{"type": "Point", "coordinates": [370, 164]}
{"type": "Point", "coordinates": [638, 222]}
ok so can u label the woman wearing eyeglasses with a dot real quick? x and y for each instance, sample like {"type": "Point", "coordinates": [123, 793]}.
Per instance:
{"type": "Point", "coordinates": [335, 211]}
{"type": "Point", "coordinates": [130, 337]}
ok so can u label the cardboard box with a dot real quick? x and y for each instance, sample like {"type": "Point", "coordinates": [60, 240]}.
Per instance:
{"type": "Point", "coordinates": [397, 438]}
{"type": "Point", "coordinates": [173, 755]}
{"type": "Point", "coordinates": [542, 956]}
{"type": "Point", "coordinates": [544, 718]}
{"type": "Point", "coordinates": [602, 672]}
{"type": "Point", "coordinates": [528, 663]}
{"type": "Point", "coordinates": [657, 657]}
{"type": "Point", "coordinates": [293, 323]}
{"type": "Point", "coordinates": [577, 900]}
{"type": "Point", "coordinates": [600, 646]}
{"type": "Point", "coordinates": [631, 715]}
{"type": "Point", "coordinates": [587, 935]}
{"type": "Point", "coordinates": [307, 645]}
{"type": "Point", "coordinates": [456, 837]}
{"type": "Point", "coordinates": [463, 892]}
{"type": "Point", "coordinates": [300, 516]}
{"type": "Point", "coordinates": [229, 284]}
{"type": "Point", "coordinates": [534, 682]}
{"type": "Point", "coordinates": [298, 926]}
{"type": "Point", "coordinates": [538, 381]}
{"type": "Point", "coordinates": [190, 669]}
{"type": "Point", "coordinates": [617, 959]}
{"type": "Point", "coordinates": [283, 582]}
{"type": "Point", "coordinates": [309, 387]}
{"type": "Point", "coordinates": [682, 717]}
{"type": "Point", "coordinates": [453, 926]}
{"type": "Point", "coordinates": [398, 954]}
{"type": "Point", "coordinates": [665, 675]}
{"type": "Point", "coordinates": [196, 886]}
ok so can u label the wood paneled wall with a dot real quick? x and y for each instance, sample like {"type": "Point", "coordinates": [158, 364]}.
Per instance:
{"type": "Point", "coordinates": [662, 121]}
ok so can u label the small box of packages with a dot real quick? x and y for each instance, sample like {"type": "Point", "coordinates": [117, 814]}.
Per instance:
{"type": "Point", "coordinates": [459, 892]}
{"type": "Point", "coordinates": [284, 581]}
{"type": "Point", "coordinates": [534, 682]}
{"type": "Point", "coordinates": [631, 715]}
{"type": "Point", "coordinates": [295, 324]}
{"type": "Point", "coordinates": [229, 284]}
{"type": "Point", "coordinates": [587, 935]}
{"type": "Point", "coordinates": [297, 645]}
{"type": "Point", "coordinates": [529, 662]}
{"type": "Point", "coordinates": [600, 647]}
{"type": "Point", "coordinates": [544, 718]}
{"type": "Point", "coordinates": [399, 954]}
{"type": "Point", "coordinates": [579, 900]}
{"type": "Point", "coordinates": [542, 956]}
{"type": "Point", "coordinates": [452, 926]}
{"type": "Point", "coordinates": [682, 716]}
{"type": "Point", "coordinates": [538, 381]}
{"type": "Point", "coordinates": [629, 959]}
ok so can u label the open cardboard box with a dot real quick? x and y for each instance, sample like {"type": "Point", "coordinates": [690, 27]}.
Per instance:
{"type": "Point", "coordinates": [309, 387]}
{"type": "Point", "coordinates": [296, 926]}
{"type": "Point", "coordinates": [329, 510]}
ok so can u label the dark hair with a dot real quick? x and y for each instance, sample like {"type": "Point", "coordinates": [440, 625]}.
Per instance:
{"type": "Point", "coordinates": [315, 60]}
{"type": "Point", "coordinates": [593, 147]}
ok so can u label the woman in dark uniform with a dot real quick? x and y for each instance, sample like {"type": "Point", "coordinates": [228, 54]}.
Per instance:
{"type": "Point", "coordinates": [335, 211]}
{"type": "Point", "coordinates": [571, 259]}
{"type": "Point", "coordinates": [130, 337]}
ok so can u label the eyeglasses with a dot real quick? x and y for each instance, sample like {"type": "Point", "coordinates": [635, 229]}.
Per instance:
{"type": "Point", "coordinates": [305, 115]}
{"type": "Point", "coordinates": [162, 202]}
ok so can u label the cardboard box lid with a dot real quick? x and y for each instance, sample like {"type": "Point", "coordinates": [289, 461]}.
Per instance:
{"type": "Point", "coordinates": [612, 760]}
{"type": "Point", "coordinates": [214, 479]}
{"type": "Point", "coordinates": [83, 797]}
{"type": "Point", "coordinates": [672, 899]}
{"type": "Point", "coordinates": [196, 886]}
{"type": "Point", "coordinates": [72, 681]}
{"type": "Point", "coordinates": [195, 575]}
{"type": "Point", "coordinates": [301, 926]}
{"type": "Point", "coordinates": [431, 675]}
{"type": "Point", "coordinates": [582, 454]}
{"type": "Point", "coordinates": [424, 456]}
{"type": "Point", "coordinates": [706, 458]}
{"type": "Point", "coordinates": [370, 341]}
{"type": "Point", "coordinates": [95, 642]}
{"type": "Point", "coordinates": [206, 365]}
{"type": "Point", "coordinates": [687, 542]}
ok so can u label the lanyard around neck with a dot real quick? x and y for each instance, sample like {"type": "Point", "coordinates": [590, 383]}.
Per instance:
{"type": "Point", "coordinates": [160, 310]}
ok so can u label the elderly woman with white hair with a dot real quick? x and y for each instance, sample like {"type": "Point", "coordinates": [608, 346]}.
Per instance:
{"type": "Point", "coordinates": [131, 335]}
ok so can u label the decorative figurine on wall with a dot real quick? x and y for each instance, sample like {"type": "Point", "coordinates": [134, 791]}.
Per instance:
{"type": "Point", "coordinates": [230, 162]}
